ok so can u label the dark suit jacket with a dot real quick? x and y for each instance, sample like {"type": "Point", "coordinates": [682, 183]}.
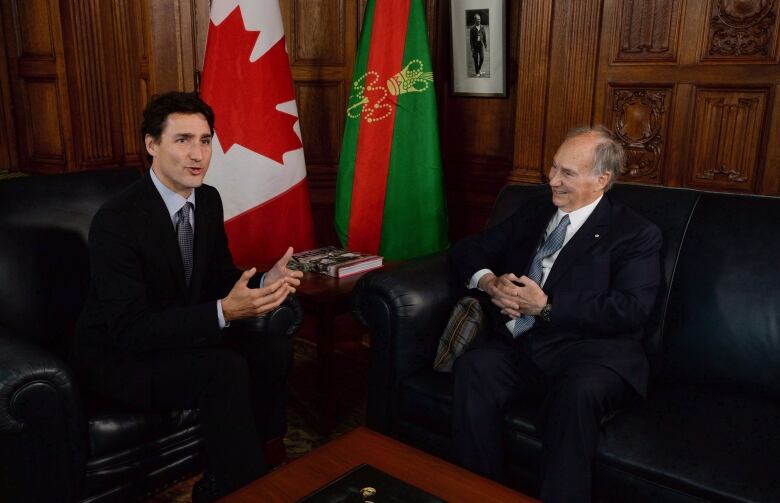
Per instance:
{"type": "Point", "coordinates": [477, 37]}
{"type": "Point", "coordinates": [602, 286]}
{"type": "Point", "coordinates": [138, 300]}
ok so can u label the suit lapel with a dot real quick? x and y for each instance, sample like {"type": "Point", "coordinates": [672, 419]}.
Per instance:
{"type": "Point", "coordinates": [203, 222]}
{"type": "Point", "coordinates": [155, 215]}
{"type": "Point", "coordinates": [596, 225]}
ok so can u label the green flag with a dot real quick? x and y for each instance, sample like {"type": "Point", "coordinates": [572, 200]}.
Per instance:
{"type": "Point", "coordinates": [389, 196]}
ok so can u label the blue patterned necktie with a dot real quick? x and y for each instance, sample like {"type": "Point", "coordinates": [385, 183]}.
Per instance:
{"type": "Point", "coordinates": [552, 244]}
{"type": "Point", "coordinates": [185, 235]}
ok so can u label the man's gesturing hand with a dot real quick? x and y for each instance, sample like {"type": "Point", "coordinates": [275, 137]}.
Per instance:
{"type": "Point", "coordinates": [281, 271]}
{"type": "Point", "coordinates": [245, 302]}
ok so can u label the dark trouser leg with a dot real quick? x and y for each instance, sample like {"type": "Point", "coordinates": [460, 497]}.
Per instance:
{"type": "Point", "coordinates": [479, 58]}
{"type": "Point", "coordinates": [216, 381]}
{"type": "Point", "coordinates": [270, 359]}
{"type": "Point", "coordinates": [577, 401]}
{"type": "Point", "coordinates": [487, 376]}
{"type": "Point", "coordinates": [475, 57]}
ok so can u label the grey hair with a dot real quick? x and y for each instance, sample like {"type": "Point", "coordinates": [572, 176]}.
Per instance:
{"type": "Point", "coordinates": [608, 155]}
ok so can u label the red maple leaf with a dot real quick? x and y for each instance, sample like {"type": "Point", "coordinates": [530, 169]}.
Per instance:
{"type": "Point", "coordinates": [244, 95]}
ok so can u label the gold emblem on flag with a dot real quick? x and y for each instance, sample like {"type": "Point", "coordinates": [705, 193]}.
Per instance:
{"type": "Point", "coordinates": [370, 99]}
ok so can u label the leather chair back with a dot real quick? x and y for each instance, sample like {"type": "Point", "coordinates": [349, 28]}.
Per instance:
{"type": "Point", "coordinates": [44, 265]}
{"type": "Point", "coordinates": [723, 322]}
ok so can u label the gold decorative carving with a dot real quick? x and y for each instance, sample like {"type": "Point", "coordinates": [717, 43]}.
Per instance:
{"type": "Point", "coordinates": [741, 28]}
{"type": "Point", "coordinates": [638, 123]}
{"type": "Point", "coordinates": [648, 30]}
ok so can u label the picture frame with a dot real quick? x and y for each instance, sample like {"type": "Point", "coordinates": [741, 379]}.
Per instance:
{"type": "Point", "coordinates": [478, 40]}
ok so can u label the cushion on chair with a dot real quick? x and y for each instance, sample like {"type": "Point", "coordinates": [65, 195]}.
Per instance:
{"type": "Point", "coordinates": [466, 321]}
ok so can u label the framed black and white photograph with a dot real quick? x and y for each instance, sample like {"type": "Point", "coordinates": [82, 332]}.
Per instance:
{"type": "Point", "coordinates": [478, 47]}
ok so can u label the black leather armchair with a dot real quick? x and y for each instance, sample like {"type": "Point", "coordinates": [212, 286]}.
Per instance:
{"type": "Point", "coordinates": [56, 444]}
{"type": "Point", "coordinates": [709, 429]}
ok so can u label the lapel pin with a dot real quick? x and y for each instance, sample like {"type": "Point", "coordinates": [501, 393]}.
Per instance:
{"type": "Point", "coordinates": [596, 236]}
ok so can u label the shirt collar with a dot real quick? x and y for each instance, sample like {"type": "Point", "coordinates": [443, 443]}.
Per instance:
{"type": "Point", "coordinates": [173, 201]}
{"type": "Point", "coordinates": [578, 216]}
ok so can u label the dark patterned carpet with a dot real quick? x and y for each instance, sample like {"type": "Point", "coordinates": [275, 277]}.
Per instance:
{"type": "Point", "coordinates": [349, 396]}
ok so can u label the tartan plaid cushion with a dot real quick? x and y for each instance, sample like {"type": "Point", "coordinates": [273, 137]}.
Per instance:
{"type": "Point", "coordinates": [464, 324]}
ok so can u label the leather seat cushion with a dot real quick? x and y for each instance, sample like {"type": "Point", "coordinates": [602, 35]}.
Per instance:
{"type": "Point", "coordinates": [110, 433]}
{"type": "Point", "coordinates": [708, 442]}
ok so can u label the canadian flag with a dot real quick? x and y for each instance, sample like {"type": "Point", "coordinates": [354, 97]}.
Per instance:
{"type": "Point", "coordinates": [257, 159]}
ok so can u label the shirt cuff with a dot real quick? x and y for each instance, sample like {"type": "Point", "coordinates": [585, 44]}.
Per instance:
{"type": "Point", "coordinates": [474, 283]}
{"type": "Point", "coordinates": [221, 316]}
{"type": "Point", "coordinates": [262, 281]}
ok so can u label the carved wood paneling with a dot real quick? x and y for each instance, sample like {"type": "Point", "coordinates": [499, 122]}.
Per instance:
{"type": "Point", "coordinates": [131, 98]}
{"type": "Point", "coordinates": [648, 30]}
{"type": "Point", "coordinates": [727, 138]}
{"type": "Point", "coordinates": [34, 42]}
{"type": "Point", "coordinates": [573, 69]}
{"type": "Point", "coordinates": [90, 95]}
{"type": "Point", "coordinates": [534, 42]}
{"type": "Point", "coordinates": [37, 84]}
{"type": "Point", "coordinates": [321, 111]}
{"type": "Point", "coordinates": [638, 117]}
{"type": "Point", "coordinates": [46, 140]}
{"type": "Point", "coordinates": [744, 30]}
{"type": "Point", "coordinates": [8, 150]}
{"type": "Point", "coordinates": [318, 32]}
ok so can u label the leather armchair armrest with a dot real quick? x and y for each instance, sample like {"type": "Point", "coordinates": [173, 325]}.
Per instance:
{"type": "Point", "coordinates": [406, 308]}
{"type": "Point", "coordinates": [42, 436]}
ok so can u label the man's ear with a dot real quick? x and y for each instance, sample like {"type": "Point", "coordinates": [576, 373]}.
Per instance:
{"type": "Point", "coordinates": [604, 179]}
{"type": "Point", "coordinates": [151, 145]}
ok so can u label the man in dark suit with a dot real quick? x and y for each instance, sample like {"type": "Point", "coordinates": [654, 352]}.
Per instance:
{"type": "Point", "coordinates": [478, 41]}
{"type": "Point", "coordinates": [572, 282]}
{"type": "Point", "coordinates": [153, 334]}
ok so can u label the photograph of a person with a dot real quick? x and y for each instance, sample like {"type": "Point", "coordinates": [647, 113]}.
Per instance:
{"type": "Point", "coordinates": [477, 27]}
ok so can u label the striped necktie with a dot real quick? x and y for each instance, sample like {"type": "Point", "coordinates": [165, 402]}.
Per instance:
{"type": "Point", "coordinates": [552, 244]}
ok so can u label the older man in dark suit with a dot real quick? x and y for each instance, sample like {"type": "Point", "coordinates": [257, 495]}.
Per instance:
{"type": "Point", "coordinates": [572, 281]}
{"type": "Point", "coordinates": [163, 290]}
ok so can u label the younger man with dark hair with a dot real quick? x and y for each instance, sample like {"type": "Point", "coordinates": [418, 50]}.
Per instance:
{"type": "Point", "coordinates": [152, 335]}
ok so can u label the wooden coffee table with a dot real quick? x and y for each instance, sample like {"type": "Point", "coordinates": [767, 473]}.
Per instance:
{"type": "Point", "coordinates": [321, 466]}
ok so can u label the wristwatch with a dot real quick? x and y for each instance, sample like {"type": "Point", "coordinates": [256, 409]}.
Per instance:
{"type": "Point", "coordinates": [546, 312]}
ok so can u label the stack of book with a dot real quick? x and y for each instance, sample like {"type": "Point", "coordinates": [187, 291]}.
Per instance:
{"type": "Point", "coordinates": [336, 262]}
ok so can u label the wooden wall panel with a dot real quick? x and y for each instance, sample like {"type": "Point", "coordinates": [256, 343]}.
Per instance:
{"type": "Point", "coordinates": [576, 25]}
{"type": "Point", "coordinates": [744, 30]}
{"type": "Point", "coordinates": [47, 142]}
{"type": "Point", "coordinates": [132, 71]}
{"type": "Point", "coordinates": [90, 90]}
{"type": "Point", "coordinates": [638, 116]}
{"type": "Point", "coordinates": [710, 127]}
{"type": "Point", "coordinates": [34, 42]}
{"type": "Point", "coordinates": [534, 41]}
{"type": "Point", "coordinates": [38, 85]}
{"type": "Point", "coordinates": [648, 30]}
{"type": "Point", "coordinates": [323, 120]}
{"type": "Point", "coordinates": [727, 138]}
{"type": "Point", "coordinates": [317, 37]}
{"type": "Point", "coordinates": [9, 157]}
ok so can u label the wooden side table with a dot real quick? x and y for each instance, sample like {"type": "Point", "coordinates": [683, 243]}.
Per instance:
{"type": "Point", "coordinates": [325, 298]}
